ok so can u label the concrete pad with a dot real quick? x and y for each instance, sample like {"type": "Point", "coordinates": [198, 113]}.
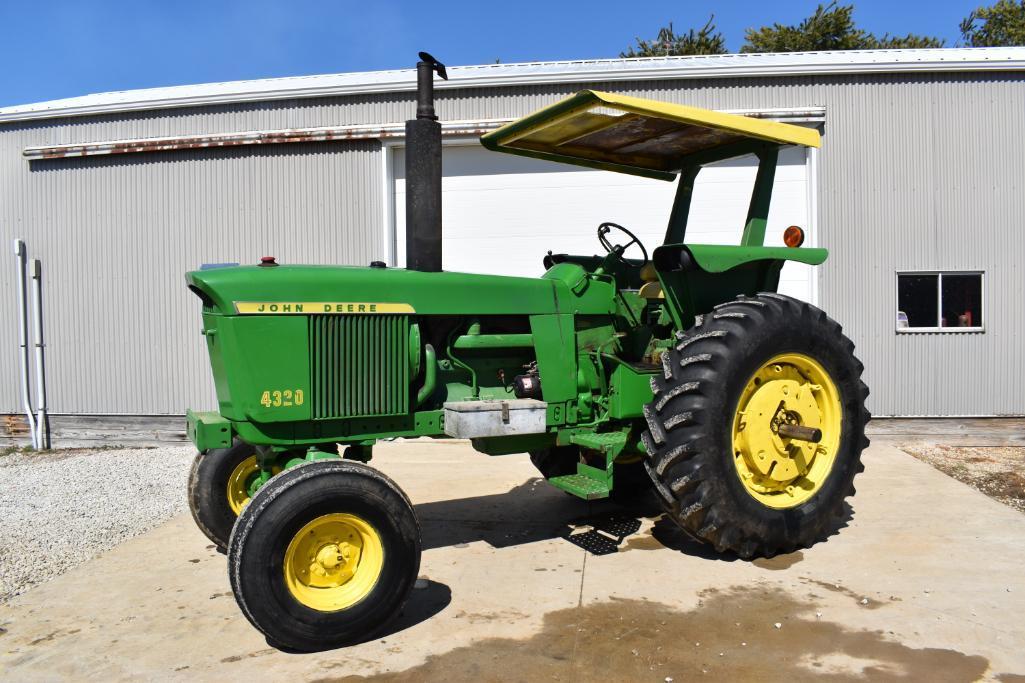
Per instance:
{"type": "Point", "coordinates": [924, 582]}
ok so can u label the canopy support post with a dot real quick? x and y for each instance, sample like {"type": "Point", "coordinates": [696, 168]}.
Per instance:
{"type": "Point", "coordinates": [677, 229]}
{"type": "Point", "coordinates": [761, 196]}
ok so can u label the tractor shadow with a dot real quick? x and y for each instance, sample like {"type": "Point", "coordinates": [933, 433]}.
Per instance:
{"type": "Point", "coordinates": [425, 601]}
{"type": "Point", "coordinates": [529, 513]}
{"type": "Point", "coordinates": [535, 511]}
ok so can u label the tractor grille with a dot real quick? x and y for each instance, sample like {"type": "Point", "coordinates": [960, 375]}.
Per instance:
{"type": "Point", "coordinates": [359, 365]}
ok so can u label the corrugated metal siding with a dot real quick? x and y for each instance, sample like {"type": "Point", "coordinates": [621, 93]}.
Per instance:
{"type": "Point", "coordinates": [917, 171]}
{"type": "Point", "coordinates": [116, 238]}
{"type": "Point", "coordinates": [930, 177]}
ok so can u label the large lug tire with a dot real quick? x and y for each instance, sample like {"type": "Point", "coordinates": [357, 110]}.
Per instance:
{"type": "Point", "coordinates": [217, 489]}
{"type": "Point", "coordinates": [324, 555]}
{"type": "Point", "coordinates": [721, 468]}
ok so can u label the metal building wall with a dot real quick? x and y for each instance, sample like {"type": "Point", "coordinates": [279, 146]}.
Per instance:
{"type": "Point", "coordinates": [917, 171]}
{"type": "Point", "coordinates": [117, 235]}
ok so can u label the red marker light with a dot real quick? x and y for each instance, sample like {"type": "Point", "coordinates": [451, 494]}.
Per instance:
{"type": "Point", "coordinates": [793, 236]}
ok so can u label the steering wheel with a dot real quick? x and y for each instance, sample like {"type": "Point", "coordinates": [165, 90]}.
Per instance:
{"type": "Point", "coordinates": [616, 250]}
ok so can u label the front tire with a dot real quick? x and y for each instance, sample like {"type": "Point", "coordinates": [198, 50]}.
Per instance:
{"type": "Point", "coordinates": [324, 555]}
{"type": "Point", "coordinates": [723, 470]}
{"type": "Point", "coordinates": [218, 489]}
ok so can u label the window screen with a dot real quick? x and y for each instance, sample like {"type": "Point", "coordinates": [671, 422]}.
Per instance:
{"type": "Point", "coordinates": [948, 301]}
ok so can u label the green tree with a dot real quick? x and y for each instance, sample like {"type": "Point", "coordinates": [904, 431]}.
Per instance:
{"type": "Point", "coordinates": [830, 27]}
{"type": "Point", "coordinates": [996, 25]}
{"type": "Point", "coordinates": [705, 41]}
{"type": "Point", "coordinates": [908, 42]}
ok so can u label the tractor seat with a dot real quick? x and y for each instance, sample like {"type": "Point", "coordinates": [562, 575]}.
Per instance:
{"type": "Point", "coordinates": [670, 257]}
{"type": "Point", "coordinates": [651, 289]}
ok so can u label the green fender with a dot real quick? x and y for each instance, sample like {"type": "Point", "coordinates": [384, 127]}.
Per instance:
{"type": "Point", "coordinates": [697, 277]}
{"type": "Point", "coordinates": [717, 258]}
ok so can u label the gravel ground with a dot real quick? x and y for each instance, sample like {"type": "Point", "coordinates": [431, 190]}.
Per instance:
{"type": "Point", "coordinates": [60, 509]}
{"type": "Point", "coordinates": [997, 471]}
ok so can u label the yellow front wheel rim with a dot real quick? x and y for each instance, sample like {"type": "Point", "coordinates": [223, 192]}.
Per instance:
{"type": "Point", "coordinates": [333, 562]}
{"type": "Point", "coordinates": [777, 471]}
{"type": "Point", "coordinates": [238, 483]}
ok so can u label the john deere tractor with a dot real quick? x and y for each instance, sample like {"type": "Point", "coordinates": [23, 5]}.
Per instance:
{"type": "Point", "coordinates": [680, 371]}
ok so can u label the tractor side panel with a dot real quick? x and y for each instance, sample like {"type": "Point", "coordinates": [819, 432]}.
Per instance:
{"type": "Point", "coordinates": [266, 368]}
{"type": "Point", "coordinates": [629, 391]}
{"type": "Point", "coordinates": [215, 348]}
{"type": "Point", "coordinates": [555, 345]}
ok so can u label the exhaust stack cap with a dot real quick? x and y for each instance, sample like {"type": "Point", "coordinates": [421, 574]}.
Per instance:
{"type": "Point", "coordinates": [425, 70]}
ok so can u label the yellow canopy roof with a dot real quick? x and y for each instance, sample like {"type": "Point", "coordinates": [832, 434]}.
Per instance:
{"type": "Point", "coordinates": [637, 136]}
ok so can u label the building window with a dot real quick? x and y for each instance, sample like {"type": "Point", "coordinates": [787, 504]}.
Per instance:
{"type": "Point", "coordinates": [947, 301]}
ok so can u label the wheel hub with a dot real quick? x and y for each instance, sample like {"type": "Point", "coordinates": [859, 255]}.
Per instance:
{"type": "Point", "coordinates": [791, 389]}
{"type": "Point", "coordinates": [773, 403]}
{"type": "Point", "coordinates": [333, 562]}
{"type": "Point", "coordinates": [239, 483]}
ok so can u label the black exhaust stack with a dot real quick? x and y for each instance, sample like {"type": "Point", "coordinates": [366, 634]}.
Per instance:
{"type": "Point", "coordinates": [423, 173]}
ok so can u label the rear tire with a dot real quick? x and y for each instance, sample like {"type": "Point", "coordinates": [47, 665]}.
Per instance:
{"type": "Point", "coordinates": [324, 555]}
{"type": "Point", "coordinates": [210, 501]}
{"type": "Point", "coordinates": [708, 435]}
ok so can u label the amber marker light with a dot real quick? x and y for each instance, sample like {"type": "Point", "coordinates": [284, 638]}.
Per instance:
{"type": "Point", "coordinates": [793, 236]}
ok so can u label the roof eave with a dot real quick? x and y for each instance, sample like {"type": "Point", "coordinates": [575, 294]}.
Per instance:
{"type": "Point", "coordinates": [716, 66]}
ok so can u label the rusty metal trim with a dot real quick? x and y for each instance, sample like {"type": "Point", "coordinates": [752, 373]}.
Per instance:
{"type": "Point", "coordinates": [387, 131]}
{"type": "Point", "coordinates": [250, 138]}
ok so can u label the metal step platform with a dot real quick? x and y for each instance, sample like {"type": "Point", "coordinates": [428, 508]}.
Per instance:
{"type": "Point", "coordinates": [581, 485]}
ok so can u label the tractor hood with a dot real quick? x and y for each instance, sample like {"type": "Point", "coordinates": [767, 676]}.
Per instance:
{"type": "Point", "coordinates": [311, 290]}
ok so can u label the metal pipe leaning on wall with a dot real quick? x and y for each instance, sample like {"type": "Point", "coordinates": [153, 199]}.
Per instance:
{"type": "Point", "coordinates": [23, 352]}
{"type": "Point", "coordinates": [42, 439]}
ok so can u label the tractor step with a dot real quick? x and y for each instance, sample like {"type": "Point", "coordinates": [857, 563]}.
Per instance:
{"type": "Point", "coordinates": [609, 443]}
{"type": "Point", "coordinates": [592, 483]}
{"type": "Point", "coordinates": [581, 485]}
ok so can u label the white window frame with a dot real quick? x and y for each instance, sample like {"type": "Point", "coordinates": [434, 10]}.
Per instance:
{"type": "Point", "coordinates": [939, 301]}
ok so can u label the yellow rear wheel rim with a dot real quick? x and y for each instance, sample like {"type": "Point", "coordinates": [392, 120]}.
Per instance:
{"type": "Point", "coordinates": [239, 481]}
{"type": "Point", "coordinates": [333, 562]}
{"type": "Point", "coordinates": [777, 471]}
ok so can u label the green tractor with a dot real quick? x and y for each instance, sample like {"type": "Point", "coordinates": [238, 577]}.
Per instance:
{"type": "Point", "coordinates": [681, 372]}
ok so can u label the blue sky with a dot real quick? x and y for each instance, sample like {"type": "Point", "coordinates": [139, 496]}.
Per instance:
{"type": "Point", "coordinates": [63, 48]}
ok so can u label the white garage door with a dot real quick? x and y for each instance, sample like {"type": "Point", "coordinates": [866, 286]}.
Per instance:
{"type": "Point", "coordinates": [502, 213]}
